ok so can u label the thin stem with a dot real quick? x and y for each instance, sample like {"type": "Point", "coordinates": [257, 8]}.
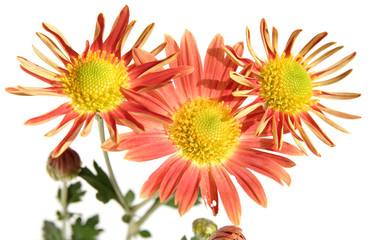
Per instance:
{"type": "Point", "coordinates": [134, 226]}
{"type": "Point", "coordinates": [64, 204]}
{"type": "Point", "coordinates": [153, 208]}
{"type": "Point", "coordinates": [143, 203]}
{"type": "Point", "coordinates": [112, 179]}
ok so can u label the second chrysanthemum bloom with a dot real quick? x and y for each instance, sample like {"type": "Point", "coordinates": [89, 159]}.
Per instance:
{"type": "Point", "coordinates": [92, 80]}
{"type": "Point", "coordinates": [205, 135]}
{"type": "Point", "coordinates": [285, 86]}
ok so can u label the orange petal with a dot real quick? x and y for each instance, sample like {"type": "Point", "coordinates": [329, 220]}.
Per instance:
{"type": "Point", "coordinates": [190, 56]}
{"type": "Point", "coordinates": [61, 39]}
{"type": "Point", "coordinates": [213, 66]}
{"type": "Point", "coordinates": [268, 144]}
{"type": "Point", "coordinates": [61, 110]}
{"type": "Point", "coordinates": [227, 192]}
{"type": "Point", "coordinates": [153, 183]}
{"type": "Point", "coordinates": [69, 138]}
{"type": "Point", "coordinates": [111, 43]}
{"type": "Point", "coordinates": [99, 31]}
{"type": "Point", "coordinates": [208, 190]}
{"type": "Point", "coordinates": [172, 178]}
{"type": "Point", "coordinates": [188, 189]}
{"type": "Point", "coordinates": [145, 152]}
{"type": "Point", "coordinates": [250, 184]}
{"type": "Point", "coordinates": [265, 164]}
{"type": "Point", "coordinates": [314, 41]}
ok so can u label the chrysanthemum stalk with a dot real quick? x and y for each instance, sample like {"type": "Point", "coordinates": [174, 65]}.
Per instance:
{"type": "Point", "coordinates": [92, 80]}
{"type": "Point", "coordinates": [206, 136]}
{"type": "Point", "coordinates": [286, 87]}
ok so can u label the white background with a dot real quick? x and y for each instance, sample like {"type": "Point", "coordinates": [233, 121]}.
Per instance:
{"type": "Point", "coordinates": [330, 197]}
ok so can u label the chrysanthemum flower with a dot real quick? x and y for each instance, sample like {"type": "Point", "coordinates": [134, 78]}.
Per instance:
{"type": "Point", "coordinates": [205, 135]}
{"type": "Point", "coordinates": [92, 80]}
{"type": "Point", "coordinates": [285, 86]}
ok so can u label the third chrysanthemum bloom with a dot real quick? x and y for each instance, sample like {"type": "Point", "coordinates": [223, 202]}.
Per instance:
{"type": "Point", "coordinates": [286, 87]}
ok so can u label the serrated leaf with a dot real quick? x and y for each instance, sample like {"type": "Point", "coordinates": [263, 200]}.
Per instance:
{"type": "Point", "coordinates": [184, 238]}
{"type": "Point", "coordinates": [129, 197]}
{"type": "Point", "coordinates": [60, 217]}
{"type": "Point", "coordinates": [145, 233]}
{"type": "Point", "coordinates": [87, 230]}
{"type": "Point", "coordinates": [51, 231]}
{"type": "Point", "coordinates": [100, 182]}
{"type": "Point", "coordinates": [126, 218]}
{"type": "Point", "coordinates": [75, 193]}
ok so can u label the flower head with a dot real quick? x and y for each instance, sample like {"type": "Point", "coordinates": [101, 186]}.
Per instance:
{"type": "Point", "coordinates": [228, 233]}
{"type": "Point", "coordinates": [285, 86]}
{"type": "Point", "coordinates": [205, 133]}
{"type": "Point", "coordinates": [64, 167]}
{"type": "Point", "coordinates": [92, 80]}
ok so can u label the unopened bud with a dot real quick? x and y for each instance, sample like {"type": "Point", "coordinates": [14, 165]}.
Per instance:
{"type": "Point", "coordinates": [203, 228]}
{"type": "Point", "coordinates": [228, 233]}
{"type": "Point", "coordinates": [64, 167]}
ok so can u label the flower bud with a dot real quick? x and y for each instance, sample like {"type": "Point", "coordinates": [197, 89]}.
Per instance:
{"type": "Point", "coordinates": [203, 228]}
{"type": "Point", "coordinates": [64, 167]}
{"type": "Point", "coordinates": [228, 233]}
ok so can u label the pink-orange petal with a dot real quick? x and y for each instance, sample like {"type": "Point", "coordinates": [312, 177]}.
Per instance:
{"type": "Point", "coordinates": [172, 178]}
{"type": "Point", "coordinates": [228, 194]}
{"type": "Point", "coordinates": [99, 32]}
{"type": "Point", "coordinates": [159, 77]}
{"type": "Point", "coordinates": [69, 138]}
{"type": "Point", "coordinates": [268, 144]}
{"type": "Point", "coordinates": [262, 164]}
{"type": "Point", "coordinates": [213, 66]}
{"type": "Point", "coordinates": [188, 189]}
{"type": "Point", "coordinates": [61, 110]}
{"type": "Point", "coordinates": [61, 39]}
{"type": "Point", "coordinates": [150, 151]}
{"type": "Point", "coordinates": [208, 190]}
{"type": "Point", "coordinates": [248, 181]}
{"type": "Point", "coordinates": [117, 31]}
{"type": "Point", "coordinates": [190, 56]}
{"type": "Point", "coordinates": [153, 183]}
{"type": "Point", "coordinates": [111, 125]}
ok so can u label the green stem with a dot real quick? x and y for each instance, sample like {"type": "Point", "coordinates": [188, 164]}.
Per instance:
{"type": "Point", "coordinates": [143, 203]}
{"type": "Point", "coordinates": [112, 179]}
{"type": "Point", "coordinates": [153, 208]}
{"type": "Point", "coordinates": [135, 226]}
{"type": "Point", "coordinates": [64, 204]}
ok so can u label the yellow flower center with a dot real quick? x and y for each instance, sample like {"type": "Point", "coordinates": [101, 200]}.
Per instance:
{"type": "Point", "coordinates": [205, 131]}
{"type": "Point", "coordinates": [286, 85]}
{"type": "Point", "coordinates": [93, 83]}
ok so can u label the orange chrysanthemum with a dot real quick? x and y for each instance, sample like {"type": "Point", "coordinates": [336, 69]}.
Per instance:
{"type": "Point", "coordinates": [92, 80]}
{"type": "Point", "coordinates": [204, 134]}
{"type": "Point", "coordinates": [284, 86]}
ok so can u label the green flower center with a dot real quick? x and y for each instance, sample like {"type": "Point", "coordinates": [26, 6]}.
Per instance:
{"type": "Point", "coordinates": [286, 85]}
{"type": "Point", "coordinates": [93, 84]}
{"type": "Point", "coordinates": [205, 131]}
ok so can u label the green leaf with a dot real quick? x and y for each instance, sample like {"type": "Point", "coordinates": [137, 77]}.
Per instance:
{"type": "Point", "coordinates": [184, 238]}
{"type": "Point", "coordinates": [87, 230]}
{"type": "Point", "coordinates": [126, 218]}
{"type": "Point", "coordinates": [60, 217]}
{"type": "Point", "coordinates": [100, 182]}
{"type": "Point", "coordinates": [129, 197]}
{"type": "Point", "coordinates": [145, 233]}
{"type": "Point", "coordinates": [75, 193]}
{"type": "Point", "coordinates": [51, 231]}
